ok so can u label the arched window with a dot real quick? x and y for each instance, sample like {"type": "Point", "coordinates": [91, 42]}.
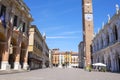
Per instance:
{"type": "Point", "coordinates": [97, 45]}
{"type": "Point", "coordinates": [107, 39]}
{"type": "Point", "coordinates": [102, 42]}
{"type": "Point", "coordinates": [115, 32]}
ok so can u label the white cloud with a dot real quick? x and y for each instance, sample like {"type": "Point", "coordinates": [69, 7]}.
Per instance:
{"type": "Point", "coordinates": [59, 37]}
{"type": "Point", "coordinates": [70, 33]}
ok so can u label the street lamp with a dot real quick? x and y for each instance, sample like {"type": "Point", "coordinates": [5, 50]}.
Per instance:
{"type": "Point", "coordinates": [84, 61]}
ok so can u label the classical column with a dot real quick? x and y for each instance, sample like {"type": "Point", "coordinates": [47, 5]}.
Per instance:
{"type": "Point", "coordinates": [43, 60]}
{"type": "Point", "coordinates": [117, 64]}
{"type": "Point", "coordinates": [5, 56]}
{"type": "Point", "coordinates": [69, 56]}
{"type": "Point", "coordinates": [17, 65]}
{"type": "Point", "coordinates": [112, 62]}
{"type": "Point", "coordinates": [25, 64]}
{"type": "Point", "coordinates": [116, 68]}
{"type": "Point", "coordinates": [60, 64]}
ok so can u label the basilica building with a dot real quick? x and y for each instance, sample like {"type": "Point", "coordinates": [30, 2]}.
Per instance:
{"type": "Point", "coordinates": [106, 43]}
{"type": "Point", "coordinates": [15, 21]}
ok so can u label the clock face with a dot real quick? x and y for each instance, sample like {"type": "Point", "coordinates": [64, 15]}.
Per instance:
{"type": "Point", "coordinates": [89, 17]}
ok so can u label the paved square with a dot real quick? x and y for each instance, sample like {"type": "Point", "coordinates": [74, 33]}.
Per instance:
{"type": "Point", "coordinates": [61, 74]}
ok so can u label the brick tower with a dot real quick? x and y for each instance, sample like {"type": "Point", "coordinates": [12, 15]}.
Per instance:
{"type": "Point", "coordinates": [87, 18]}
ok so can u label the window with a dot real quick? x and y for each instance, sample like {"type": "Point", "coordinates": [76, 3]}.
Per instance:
{"type": "Point", "coordinates": [97, 45]}
{"type": "Point", "coordinates": [23, 27]}
{"type": "Point", "coordinates": [115, 33]}
{"type": "Point", "coordinates": [102, 42]}
{"type": "Point", "coordinates": [3, 10]}
{"type": "Point", "coordinates": [107, 39]}
{"type": "Point", "coordinates": [15, 21]}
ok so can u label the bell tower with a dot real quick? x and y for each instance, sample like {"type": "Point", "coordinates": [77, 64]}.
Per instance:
{"type": "Point", "coordinates": [87, 18]}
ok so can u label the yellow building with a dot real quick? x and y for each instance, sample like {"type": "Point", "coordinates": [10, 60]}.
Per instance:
{"type": "Point", "coordinates": [38, 49]}
{"type": "Point", "coordinates": [74, 59]}
{"type": "Point", "coordinates": [15, 21]}
{"type": "Point", "coordinates": [64, 59]}
{"type": "Point", "coordinates": [55, 57]}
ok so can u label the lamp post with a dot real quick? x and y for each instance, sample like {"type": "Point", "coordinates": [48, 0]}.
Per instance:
{"type": "Point", "coordinates": [50, 58]}
{"type": "Point", "coordinates": [84, 61]}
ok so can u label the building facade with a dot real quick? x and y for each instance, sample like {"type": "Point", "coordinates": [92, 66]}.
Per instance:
{"type": "Point", "coordinates": [74, 60]}
{"type": "Point", "coordinates": [81, 55]}
{"type": "Point", "coordinates": [106, 43]}
{"type": "Point", "coordinates": [64, 59]}
{"type": "Point", "coordinates": [15, 21]}
{"type": "Point", "coordinates": [35, 48]}
{"type": "Point", "coordinates": [38, 50]}
{"type": "Point", "coordinates": [55, 57]}
{"type": "Point", "coordinates": [87, 17]}
{"type": "Point", "coordinates": [45, 55]}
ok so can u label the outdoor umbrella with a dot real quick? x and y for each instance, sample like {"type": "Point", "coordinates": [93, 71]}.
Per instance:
{"type": "Point", "coordinates": [99, 64]}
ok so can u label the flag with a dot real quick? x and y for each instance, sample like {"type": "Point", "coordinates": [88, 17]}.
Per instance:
{"type": "Point", "coordinates": [19, 27]}
{"type": "Point", "coordinates": [2, 18]}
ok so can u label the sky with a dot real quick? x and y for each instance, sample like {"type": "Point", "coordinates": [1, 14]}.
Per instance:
{"type": "Point", "coordinates": [61, 20]}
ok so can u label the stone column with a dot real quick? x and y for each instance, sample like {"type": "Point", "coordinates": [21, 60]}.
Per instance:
{"type": "Point", "coordinates": [116, 69]}
{"type": "Point", "coordinates": [112, 62]}
{"type": "Point", "coordinates": [69, 56]}
{"type": "Point", "coordinates": [60, 65]}
{"type": "Point", "coordinates": [118, 64]}
{"type": "Point", "coordinates": [25, 65]}
{"type": "Point", "coordinates": [5, 56]}
{"type": "Point", "coordinates": [17, 65]}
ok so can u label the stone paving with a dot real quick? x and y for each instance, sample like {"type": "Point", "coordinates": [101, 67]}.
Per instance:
{"type": "Point", "coordinates": [61, 74]}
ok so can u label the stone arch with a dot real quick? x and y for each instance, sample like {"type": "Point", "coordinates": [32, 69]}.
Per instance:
{"type": "Point", "coordinates": [107, 39]}
{"type": "Point", "coordinates": [2, 44]}
{"type": "Point", "coordinates": [103, 38]}
{"type": "Point", "coordinates": [97, 45]}
{"type": "Point", "coordinates": [101, 42]}
{"type": "Point", "coordinates": [115, 32]}
{"type": "Point", "coordinates": [12, 52]}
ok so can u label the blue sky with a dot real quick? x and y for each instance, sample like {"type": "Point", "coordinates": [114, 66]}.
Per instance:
{"type": "Point", "coordinates": [61, 20]}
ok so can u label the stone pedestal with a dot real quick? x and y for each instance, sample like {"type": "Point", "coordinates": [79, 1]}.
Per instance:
{"type": "Point", "coordinates": [69, 66]}
{"type": "Point", "coordinates": [17, 66]}
{"type": "Point", "coordinates": [25, 66]}
{"type": "Point", "coordinates": [43, 66]}
{"type": "Point", "coordinates": [60, 66]}
{"type": "Point", "coordinates": [5, 65]}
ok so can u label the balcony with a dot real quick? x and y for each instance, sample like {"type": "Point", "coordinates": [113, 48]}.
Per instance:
{"type": "Point", "coordinates": [105, 46]}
